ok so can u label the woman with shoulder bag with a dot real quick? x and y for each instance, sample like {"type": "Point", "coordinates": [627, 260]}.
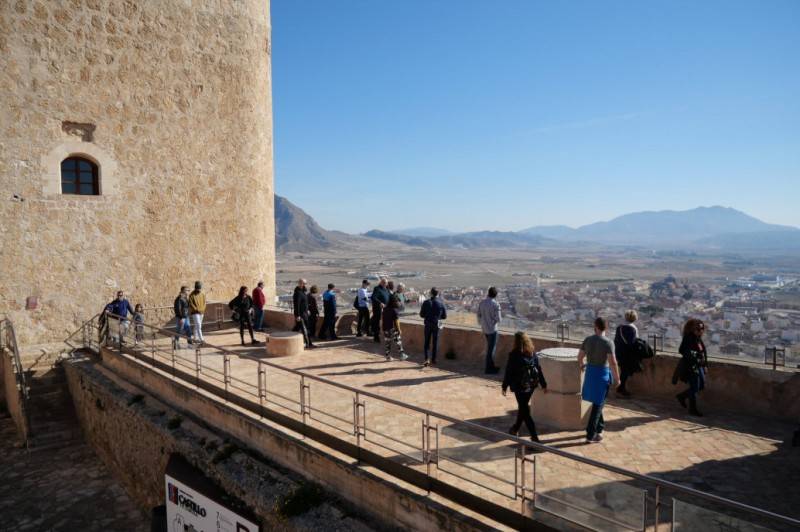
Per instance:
{"type": "Point", "coordinates": [693, 365]}
{"type": "Point", "coordinates": [523, 375]}
{"type": "Point", "coordinates": [241, 305]}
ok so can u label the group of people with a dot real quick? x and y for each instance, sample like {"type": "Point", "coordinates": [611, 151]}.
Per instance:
{"type": "Point", "coordinates": [378, 312]}
{"type": "Point", "coordinates": [605, 363]}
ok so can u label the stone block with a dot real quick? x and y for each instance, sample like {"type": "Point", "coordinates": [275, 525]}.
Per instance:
{"type": "Point", "coordinates": [562, 374]}
{"type": "Point", "coordinates": [563, 411]}
{"type": "Point", "coordinates": [283, 344]}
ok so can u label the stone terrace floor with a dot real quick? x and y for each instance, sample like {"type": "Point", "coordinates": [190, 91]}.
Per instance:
{"type": "Point", "coordinates": [61, 489]}
{"type": "Point", "coordinates": [739, 457]}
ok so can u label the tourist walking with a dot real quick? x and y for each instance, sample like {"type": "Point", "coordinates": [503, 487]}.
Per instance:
{"type": "Point", "coordinates": [523, 375]}
{"type": "Point", "coordinates": [433, 313]}
{"type": "Point", "coordinates": [117, 313]}
{"type": "Point", "coordinates": [242, 307]}
{"type": "Point", "coordinates": [625, 350]}
{"type": "Point", "coordinates": [600, 365]}
{"type": "Point", "coordinates": [489, 318]}
{"type": "Point", "coordinates": [259, 300]}
{"type": "Point", "coordinates": [328, 330]}
{"type": "Point", "coordinates": [380, 298]}
{"type": "Point", "coordinates": [181, 308]}
{"type": "Point", "coordinates": [138, 324]}
{"type": "Point", "coordinates": [313, 311]}
{"type": "Point", "coordinates": [197, 308]}
{"type": "Point", "coordinates": [391, 328]}
{"type": "Point", "coordinates": [300, 309]}
{"type": "Point", "coordinates": [693, 365]}
{"type": "Point", "coordinates": [362, 307]}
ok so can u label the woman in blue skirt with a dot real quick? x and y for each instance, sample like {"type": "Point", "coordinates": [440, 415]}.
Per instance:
{"type": "Point", "coordinates": [600, 365]}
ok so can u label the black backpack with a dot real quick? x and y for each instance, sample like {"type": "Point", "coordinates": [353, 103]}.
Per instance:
{"type": "Point", "coordinates": [355, 302]}
{"type": "Point", "coordinates": [641, 349]}
{"type": "Point", "coordinates": [531, 375]}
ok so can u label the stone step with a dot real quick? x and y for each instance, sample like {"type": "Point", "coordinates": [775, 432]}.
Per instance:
{"type": "Point", "coordinates": [55, 438]}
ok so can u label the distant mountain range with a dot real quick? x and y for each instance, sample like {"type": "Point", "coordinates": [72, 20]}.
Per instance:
{"type": "Point", "coordinates": [667, 228]}
{"type": "Point", "coordinates": [704, 228]}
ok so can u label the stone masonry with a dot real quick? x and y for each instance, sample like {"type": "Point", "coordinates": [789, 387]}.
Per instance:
{"type": "Point", "coordinates": [172, 100]}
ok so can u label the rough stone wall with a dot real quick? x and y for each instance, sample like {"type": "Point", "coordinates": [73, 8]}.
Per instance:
{"type": "Point", "coordinates": [134, 435]}
{"type": "Point", "coordinates": [176, 98]}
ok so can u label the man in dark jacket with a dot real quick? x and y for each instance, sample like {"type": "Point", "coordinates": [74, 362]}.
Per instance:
{"type": "Point", "coordinates": [301, 315]}
{"type": "Point", "coordinates": [182, 326]}
{"type": "Point", "coordinates": [328, 330]}
{"type": "Point", "coordinates": [380, 298]}
{"type": "Point", "coordinates": [118, 311]}
{"type": "Point", "coordinates": [433, 312]}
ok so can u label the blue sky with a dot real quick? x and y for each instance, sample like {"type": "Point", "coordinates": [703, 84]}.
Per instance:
{"type": "Point", "coordinates": [471, 115]}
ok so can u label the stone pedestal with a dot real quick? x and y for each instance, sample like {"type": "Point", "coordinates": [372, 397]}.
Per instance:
{"type": "Point", "coordinates": [284, 343]}
{"type": "Point", "coordinates": [561, 407]}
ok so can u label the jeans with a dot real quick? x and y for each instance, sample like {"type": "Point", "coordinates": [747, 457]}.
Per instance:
{"type": "Point", "coordinates": [491, 347]}
{"type": "Point", "coordinates": [312, 325]}
{"type": "Point", "coordinates": [524, 413]}
{"type": "Point", "coordinates": [244, 321]}
{"type": "Point", "coordinates": [377, 311]}
{"type": "Point", "coordinates": [431, 341]}
{"type": "Point", "coordinates": [328, 329]}
{"type": "Point", "coordinates": [362, 327]}
{"type": "Point", "coordinates": [182, 327]}
{"type": "Point", "coordinates": [697, 383]}
{"type": "Point", "coordinates": [302, 326]}
{"type": "Point", "coordinates": [258, 322]}
{"type": "Point", "coordinates": [596, 422]}
{"type": "Point", "coordinates": [197, 327]}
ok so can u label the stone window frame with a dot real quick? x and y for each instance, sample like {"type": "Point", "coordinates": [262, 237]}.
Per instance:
{"type": "Point", "coordinates": [108, 181]}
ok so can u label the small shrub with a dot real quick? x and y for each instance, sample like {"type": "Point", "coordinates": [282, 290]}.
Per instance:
{"type": "Point", "coordinates": [138, 398]}
{"type": "Point", "coordinates": [302, 499]}
{"type": "Point", "coordinates": [224, 453]}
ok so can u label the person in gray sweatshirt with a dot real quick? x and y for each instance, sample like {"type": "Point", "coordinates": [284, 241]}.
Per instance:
{"type": "Point", "coordinates": [489, 318]}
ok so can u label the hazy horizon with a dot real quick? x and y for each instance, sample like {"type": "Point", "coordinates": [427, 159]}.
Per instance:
{"type": "Point", "coordinates": [471, 116]}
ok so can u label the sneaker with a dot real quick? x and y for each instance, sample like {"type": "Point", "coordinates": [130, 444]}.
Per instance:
{"type": "Point", "coordinates": [311, 346]}
{"type": "Point", "coordinates": [389, 358]}
{"type": "Point", "coordinates": [426, 364]}
{"type": "Point", "coordinates": [513, 431]}
{"type": "Point", "coordinates": [403, 356]}
{"type": "Point", "coordinates": [256, 342]}
{"type": "Point", "coordinates": [590, 441]}
{"type": "Point", "coordinates": [598, 438]}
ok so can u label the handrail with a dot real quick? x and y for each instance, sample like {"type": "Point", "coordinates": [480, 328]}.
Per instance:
{"type": "Point", "coordinates": [505, 436]}
{"type": "Point", "coordinates": [10, 338]}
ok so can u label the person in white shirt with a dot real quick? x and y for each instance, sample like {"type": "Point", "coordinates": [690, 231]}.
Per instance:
{"type": "Point", "coordinates": [362, 306]}
{"type": "Point", "coordinates": [489, 318]}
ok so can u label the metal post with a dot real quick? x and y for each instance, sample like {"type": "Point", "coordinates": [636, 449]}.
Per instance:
{"type": "Point", "coordinates": [426, 445]}
{"type": "Point", "coordinates": [522, 482]}
{"type": "Point", "coordinates": [196, 365]}
{"type": "Point", "coordinates": [658, 508]}
{"type": "Point", "coordinates": [225, 373]}
{"type": "Point", "coordinates": [303, 398]}
{"type": "Point", "coordinates": [261, 394]}
{"type": "Point", "coordinates": [119, 334]}
{"type": "Point", "coordinates": [516, 473]}
{"type": "Point", "coordinates": [153, 346]}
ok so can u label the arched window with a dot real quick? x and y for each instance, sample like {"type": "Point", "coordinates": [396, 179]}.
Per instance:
{"type": "Point", "coordinates": [79, 176]}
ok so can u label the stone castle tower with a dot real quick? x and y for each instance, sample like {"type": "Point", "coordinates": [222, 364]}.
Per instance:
{"type": "Point", "coordinates": [135, 153]}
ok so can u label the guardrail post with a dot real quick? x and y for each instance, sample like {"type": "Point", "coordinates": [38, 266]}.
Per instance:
{"type": "Point", "coordinates": [656, 341]}
{"type": "Point", "coordinates": [196, 365]}
{"type": "Point", "coordinates": [562, 331]}
{"type": "Point", "coordinates": [658, 508]}
{"type": "Point", "coordinates": [262, 388]}
{"type": "Point", "coordinates": [303, 410]}
{"type": "Point", "coordinates": [153, 346]}
{"type": "Point", "coordinates": [225, 373]}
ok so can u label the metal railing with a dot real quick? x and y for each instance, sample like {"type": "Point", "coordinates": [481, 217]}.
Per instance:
{"type": "Point", "coordinates": [8, 341]}
{"type": "Point", "coordinates": [482, 469]}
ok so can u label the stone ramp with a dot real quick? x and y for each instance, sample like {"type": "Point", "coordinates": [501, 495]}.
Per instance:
{"type": "Point", "coordinates": [63, 488]}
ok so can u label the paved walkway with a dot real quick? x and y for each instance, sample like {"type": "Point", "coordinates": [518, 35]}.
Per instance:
{"type": "Point", "coordinates": [66, 489]}
{"type": "Point", "coordinates": [739, 457]}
